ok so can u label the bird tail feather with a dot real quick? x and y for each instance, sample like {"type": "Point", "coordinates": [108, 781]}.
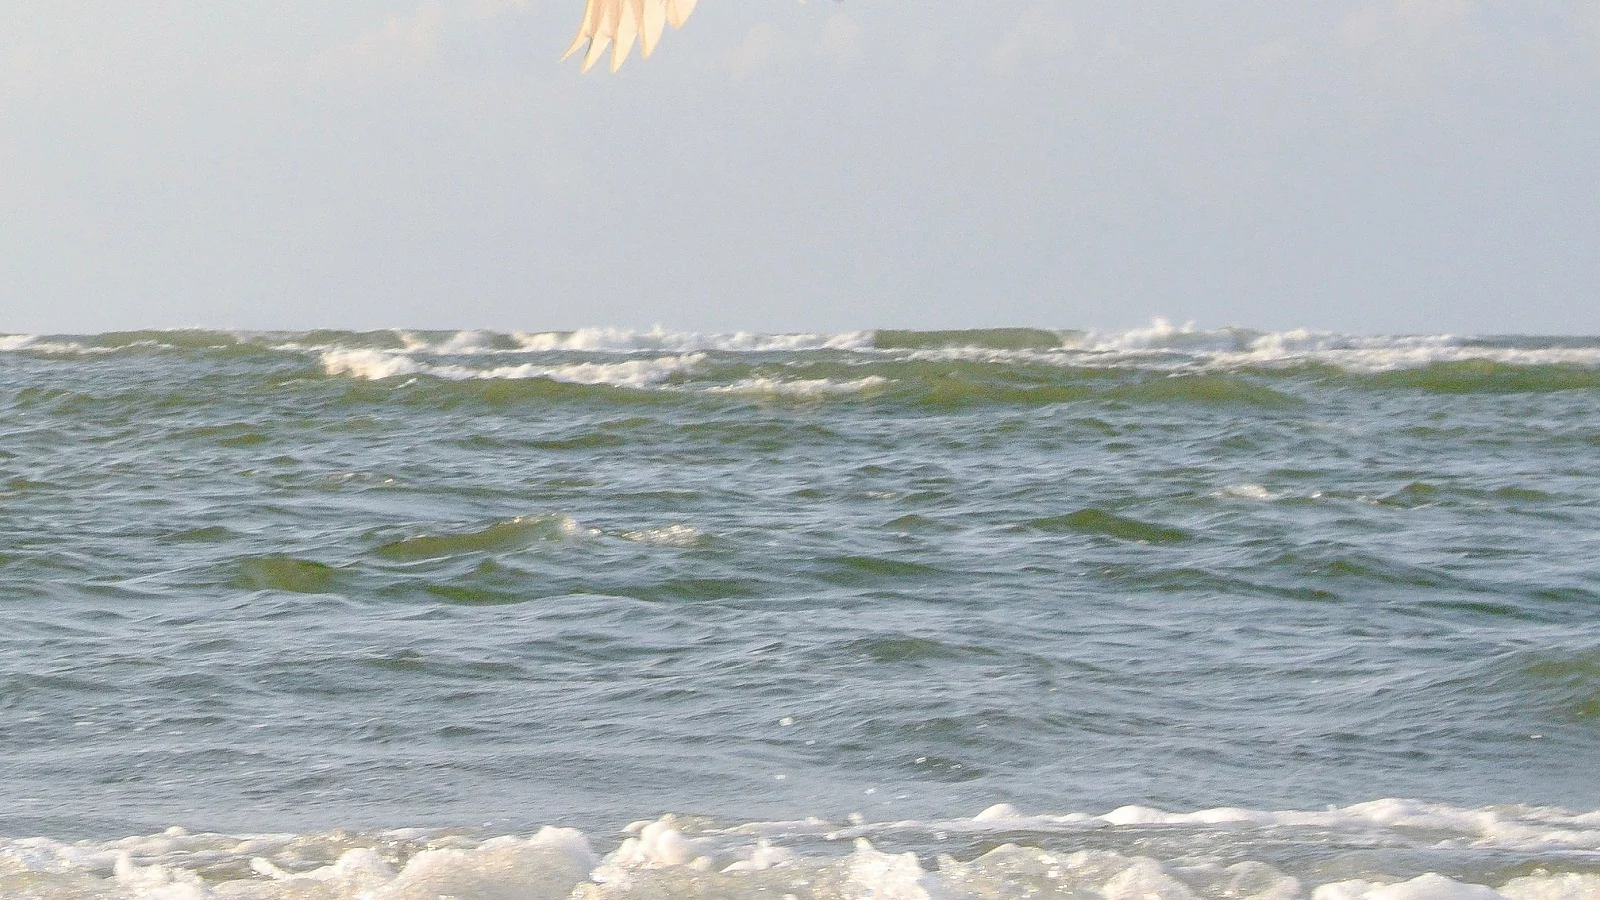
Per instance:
{"type": "Point", "coordinates": [619, 24]}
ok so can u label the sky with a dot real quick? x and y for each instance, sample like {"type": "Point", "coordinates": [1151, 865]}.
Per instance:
{"type": "Point", "coordinates": [1373, 166]}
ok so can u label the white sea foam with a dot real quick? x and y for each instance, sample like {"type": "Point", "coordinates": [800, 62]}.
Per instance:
{"type": "Point", "coordinates": [1504, 827]}
{"type": "Point", "coordinates": [369, 365]}
{"type": "Point", "coordinates": [810, 388]}
{"type": "Point", "coordinates": [1521, 828]}
{"type": "Point", "coordinates": [1161, 344]}
{"type": "Point", "coordinates": [621, 340]}
{"type": "Point", "coordinates": [1567, 886]}
{"type": "Point", "coordinates": [633, 373]}
{"type": "Point", "coordinates": [461, 343]}
{"type": "Point", "coordinates": [375, 365]}
{"type": "Point", "coordinates": [1246, 491]}
{"type": "Point", "coordinates": [1160, 335]}
{"type": "Point", "coordinates": [1167, 347]}
{"type": "Point", "coordinates": [670, 536]}
{"type": "Point", "coordinates": [1164, 337]}
{"type": "Point", "coordinates": [1160, 347]}
{"type": "Point", "coordinates": [1390, 354]}
{"type": "Point", "coordinates": [670, 858]}
{"type": "Point", "coordinates": [1424, 887]}
{"type": "Point", "coordinates": [37, 345]}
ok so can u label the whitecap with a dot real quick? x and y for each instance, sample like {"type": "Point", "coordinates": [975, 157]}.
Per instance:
{"type": "Point", "coordinates": [812, 388]}
{"type": "Point", "coordinates": [39, 346]}
{"type": "Point", "coordinates": [1160, 334]}
{"type": "Point", "coordinates": [464, 343]}
{"type": "Point", "coordinates": [633, 373]}
{"type": "Point", "coordinates": [368, 365]}
{"type": "Point", "coordinates": [376, 365]}
{"type": "Point", "coordinates": [622, 340]}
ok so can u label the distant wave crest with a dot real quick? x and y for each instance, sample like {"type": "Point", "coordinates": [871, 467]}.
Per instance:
{"type": "Point", "coordinates": [995, 364]}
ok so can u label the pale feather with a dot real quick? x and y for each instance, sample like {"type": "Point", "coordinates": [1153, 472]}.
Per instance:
{"type": "Point", "coordinates": [619, 24]}
{"type": "Point", "coordinates": [678, 11]}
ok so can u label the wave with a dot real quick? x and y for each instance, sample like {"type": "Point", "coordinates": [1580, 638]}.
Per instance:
{"type": "Point", "coordinates": [1160, 363]}
{"type": "Point", "coordinates": [36, 345]}
{"type": "Point", "coordinates": [1099, 522]}
{"type": "Point", "coordinates": [805, 388]}
{"type": "Point", "coordinates": [621, 340]}
{"type": "Point", "coordinates": [989, 338]}
{"type": "Point", "coordinates": [1163, 347]}
{"type": "Point", "coordinates": [517, 533]}
{"type": "Point", "coordinates": [1371, 851]}
{"type": "Point", "coordinates": [376, 365]}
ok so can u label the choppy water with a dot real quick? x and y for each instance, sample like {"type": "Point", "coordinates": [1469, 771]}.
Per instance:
{"type": "Point", "coordinates": [348, 607]}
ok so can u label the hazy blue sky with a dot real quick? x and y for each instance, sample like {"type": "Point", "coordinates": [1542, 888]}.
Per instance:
{"type": "Point", "coordinates": [1366, 165]}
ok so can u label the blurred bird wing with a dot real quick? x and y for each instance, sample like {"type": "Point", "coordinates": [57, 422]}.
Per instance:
{"type": "Point", "coordinates": [619, 23]}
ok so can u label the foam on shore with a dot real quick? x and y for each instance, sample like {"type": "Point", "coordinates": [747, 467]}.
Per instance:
{"type": "Point", "coordinates": [671, 857]}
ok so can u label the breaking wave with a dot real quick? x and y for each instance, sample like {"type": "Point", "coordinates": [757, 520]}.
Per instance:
{"type": "Point", "coordinates": [1225, 347]}
{"type": "Point", "coordinates": [1163, 363]}
{"type": "Point", "coordinates": [635, 373]}
{"type": "Point", "coordinates": [1371, 850]}
{"type": "Point", "coordinates": [620, 340]}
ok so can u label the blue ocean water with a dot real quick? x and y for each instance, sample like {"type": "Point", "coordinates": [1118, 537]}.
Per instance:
{"type": "Point", "coordinates": [1181, 613]}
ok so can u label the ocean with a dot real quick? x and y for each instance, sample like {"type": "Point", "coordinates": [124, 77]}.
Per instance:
{"type": "Point", "coordinates": [1011, 613]}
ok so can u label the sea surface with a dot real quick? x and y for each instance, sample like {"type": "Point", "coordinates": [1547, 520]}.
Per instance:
{"type": "Point", "coordinates": [1153, 615]}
